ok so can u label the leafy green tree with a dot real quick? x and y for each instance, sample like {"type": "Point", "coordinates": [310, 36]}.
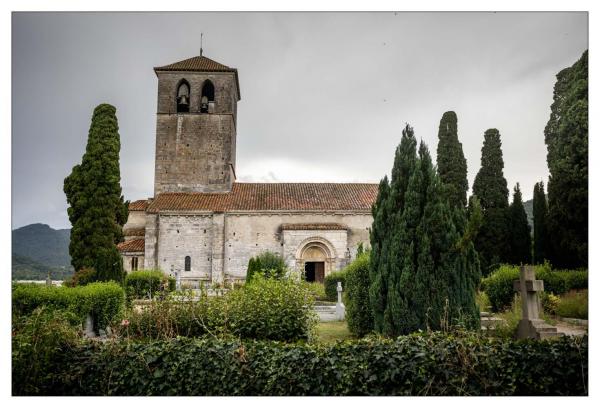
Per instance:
{"type": "Point", "coordinates": [540, 214]}
{"type": "Point", "coordinates": [566, 136]}
{"type": "Point", "coordinates": [520, 233]}
{"type": "Point", "coordinates": [358, 307]}
{"type": "Point", "coordinates": [492, 242]}
{"type": "Point", "coordinates": [425, 275]}
{"type": "Point", "coordinates": [451, 162]}
{"type": "Point", "coordinates": [97, 210]}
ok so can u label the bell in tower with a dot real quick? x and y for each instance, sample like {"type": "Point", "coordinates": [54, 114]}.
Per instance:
{"type": "Point", "coordinates": [183, 98]}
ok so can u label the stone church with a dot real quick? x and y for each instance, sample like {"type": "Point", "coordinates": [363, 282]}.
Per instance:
{"type": "Point", "coordinates": [204, 226]}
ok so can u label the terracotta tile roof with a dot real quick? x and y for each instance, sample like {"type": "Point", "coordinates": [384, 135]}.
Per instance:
{"type": "Point", "coordinates": [201, 64]}
{"type": "Point", "coordinates": [134, 232]}
{"type": "Point", "coordinates": [134, 245]}
{"type": "Point", "coordinates": [138, 205]}
{"type": "Point", "coordinates": [321, 226]}
{"type": "Point", "coordinates": [273, 197]}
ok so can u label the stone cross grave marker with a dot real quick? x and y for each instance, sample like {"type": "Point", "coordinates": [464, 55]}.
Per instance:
{"type": "Point", "coordinates": [340, 309]}
{"type": "Point", "coordinates": [530, 325]}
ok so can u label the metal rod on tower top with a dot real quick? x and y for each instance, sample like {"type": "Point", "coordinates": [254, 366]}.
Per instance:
{"type": "Point", "coordinates": [201, 35]}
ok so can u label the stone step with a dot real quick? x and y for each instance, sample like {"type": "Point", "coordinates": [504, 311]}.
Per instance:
{"type": "Point", "coordinates": [324, 308]}
{"type": "Point", "coordinates": [490, 321]}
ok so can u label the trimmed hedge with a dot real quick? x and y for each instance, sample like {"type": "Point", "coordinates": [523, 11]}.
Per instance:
{"type": "Point", "coordinates": [499, 285]}
{"type": "Point", "coordinates": [139, 284]}
{"type": "Point", "coordinates": [358, 307]}
{"type": "Point", "coordinates": [418, 364]}
{"type": "Point", "coordinates": [102, 300]}
{"type": "Point", "coordinates": [330, 283]}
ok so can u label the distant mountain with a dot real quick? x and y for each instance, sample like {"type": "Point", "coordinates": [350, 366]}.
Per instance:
{"type": "Point", "coordinates": [38, 248]}
{"type": "Point", "coordinates": [529, 210]}
{"type": "Point", "coordinates": [24, 268]}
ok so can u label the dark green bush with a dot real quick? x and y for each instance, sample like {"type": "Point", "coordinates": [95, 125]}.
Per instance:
{"type": "Point", "coordinates": [358, 308]}
{"type": "Point", "coordinates": [499, 285]}
{"type": "Point", "coordinates": [263, 309]}
{"type": "Point", "coordinates": [145, 284]}
{"type": "Point", "coordinates": [418, 364]}
{"type": "Point", "coordinates": [102, 300]}
{"type": "Point", "coordinates": [330, 283]}
{"type": "Point", "coordinates": [269, 264]}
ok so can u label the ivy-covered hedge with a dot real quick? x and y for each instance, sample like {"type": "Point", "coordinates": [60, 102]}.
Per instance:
{"type": "Point", "coordinates": [419, 364]}
{"type": "Point", "coordinates": [330, 283]}
{"type": "Point", "coordinates": [144, 284]}
{"type": "Point", "coordinates": [104, 301]}
{"type": "Point", "coordinates": [499, 285]}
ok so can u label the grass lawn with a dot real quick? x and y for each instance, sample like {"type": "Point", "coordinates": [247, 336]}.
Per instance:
{"type": "Point", "coordinates": [329, 332]}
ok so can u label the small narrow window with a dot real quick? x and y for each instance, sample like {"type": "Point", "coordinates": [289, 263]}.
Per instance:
{"type": "Point", "coordinates": [183, 97]}
{"type": "Point", "coordinates": [134, 263]}
{"type": "Point", "coordinates": [208, 96]}
{"type": "Point", "coordinates": [188, 264]}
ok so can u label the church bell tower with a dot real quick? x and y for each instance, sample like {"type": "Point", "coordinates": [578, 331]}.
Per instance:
{"type": "Point", "coordinates": [196, 126]}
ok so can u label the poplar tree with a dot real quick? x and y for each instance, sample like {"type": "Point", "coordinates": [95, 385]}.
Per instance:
{"type": "Point", "coordinates": [566, 136]}
{"type": "Point", "coordinates": [451, 162]}
{"type": "Point", "coordinates": [422, 273]}
{"type": "Point", "coordinates": [97, 210]}
{"type": "Point", "coordinates": [520, 233]}
{"type": "Point", "coordinates": [492, 242]}
{"type": "Point", "coordinates": [540, 214]}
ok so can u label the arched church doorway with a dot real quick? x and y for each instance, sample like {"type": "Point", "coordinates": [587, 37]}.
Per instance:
{"type": "Point", "coordinates": [314, 259]}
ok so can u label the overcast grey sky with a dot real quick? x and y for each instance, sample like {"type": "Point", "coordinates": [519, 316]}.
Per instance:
{"type": "Point", "coordinates": [324, 95]}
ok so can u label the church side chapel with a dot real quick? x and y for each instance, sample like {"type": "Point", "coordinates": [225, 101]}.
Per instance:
{"type": "Point", "coordinates": [204, 226]}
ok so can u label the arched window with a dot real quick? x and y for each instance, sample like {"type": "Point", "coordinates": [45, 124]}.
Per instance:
{"type": "Point", "coordinates": [188, 264]}
{"type": "Point", "coordinates": [183, 97]}
{"type": "Point", "coordinates": [208, 96]}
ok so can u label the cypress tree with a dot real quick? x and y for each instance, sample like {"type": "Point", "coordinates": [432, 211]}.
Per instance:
{"type": "Point", "coordinates": [566, 136]}
{"type": "Point", "coordinates": [97, 210]}
{"type": "Point", "coordinates": [492, 242]}
{"type": "Point", "coordinates": [424, 273]}
{"type": "Point", "coordinates": [520, 233]}
{"type": "Point", "coordinates": [540, 213]}
{"type": "Point", "coordinates": [451, 162]}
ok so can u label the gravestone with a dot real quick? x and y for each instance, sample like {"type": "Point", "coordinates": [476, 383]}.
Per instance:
{"type": "Point", "coordinates": [340, 309]}
{"type": "Point", "coordinates": [530, 325]}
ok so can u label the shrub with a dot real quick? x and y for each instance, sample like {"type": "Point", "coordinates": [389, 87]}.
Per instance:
{"type": "Point", "coordinates": [317, 289]}
{"type": "Point", "coordinates": [573, 304]}
{"type": "Point", "coordinates": [358, 308]}
{"type": "Point", "coordinates": [269, 264]}
{"type": "Point", "coordinates": [39, 341]}
{"type": "Point", "coordinates": [330, 284]}
{"type": "Point", "coordinates": [81, 277]}
{"type": "Point", "coordinates": [418, 364]}
{"type": "Point", "coordinates": [499, 285]}
{"type": "Point", "coordinates": [144, 284]}
{"type": "Point", "coordinates": [550, 302]}
{"type": "Point", "coordinates": [102, 300]}
{"type": "Point", "coordinates": [263, 309]}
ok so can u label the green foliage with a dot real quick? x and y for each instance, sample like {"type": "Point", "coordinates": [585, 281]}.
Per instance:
{"type": "Point", "coordinates": [499, 285]}
{"type": "Point", "coordinates": [25, 268]}
{"type": "Point", "coordinates": [40, 341]}
{"type": "Point", "coordinates": [263, 309]}
{"type": "Point", "coordinates": [550, 302]}
{"type": "Point", "coordinates": [566, 136]}
{"type": "Point", "coordinates": [317, 289]}
{"type": "Point", "coordinates": [424, 268]}
{"type": "Point", "coordinates": [81, 277]}
{"type": "Point", "coordinates": [510, 317]}
{"type": "Point", "coordinates": [483, 301]}
{"type": "Point", "coordinates": [451, 162]}
{"type": "Point", "coordinates": [358, 308]}
{"type": "Point", "coordinates": [540, 228]}
{"type": "Point", "coordinates": [573, 304]}
{"type": "Point", "coordinates": [330, 283]}
{"type": "Point", "coordinates": [97, 210]}
{"type": "Point", "coordinates": [490, 187]}
{"type": "Point", "coordinates": [419, 364]}
{"type": "Point", "coordinates": [520, 234]}
{"type": "Point", "coordinates": [145, 284]}
{"type": "Point", "coordinates": [103, 301]}
{"type": "Point", "coordinates": [269, 264]}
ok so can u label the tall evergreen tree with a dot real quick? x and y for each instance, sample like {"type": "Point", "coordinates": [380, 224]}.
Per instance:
{"type": "Point", "coordinates": [451, 162]}
{"type": "Point", "coordinates": [422, 274]}
{"type": "Point", "coordinates": [540, 214]}
{"type": "Point", "coordinates": [520, 233]}
{"type": "Point", "coordinates": [97, 210]}
{"type": "Point", "coordinates": [492, 242]}
{"type": "Point", "coordinates": [566, 136]}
